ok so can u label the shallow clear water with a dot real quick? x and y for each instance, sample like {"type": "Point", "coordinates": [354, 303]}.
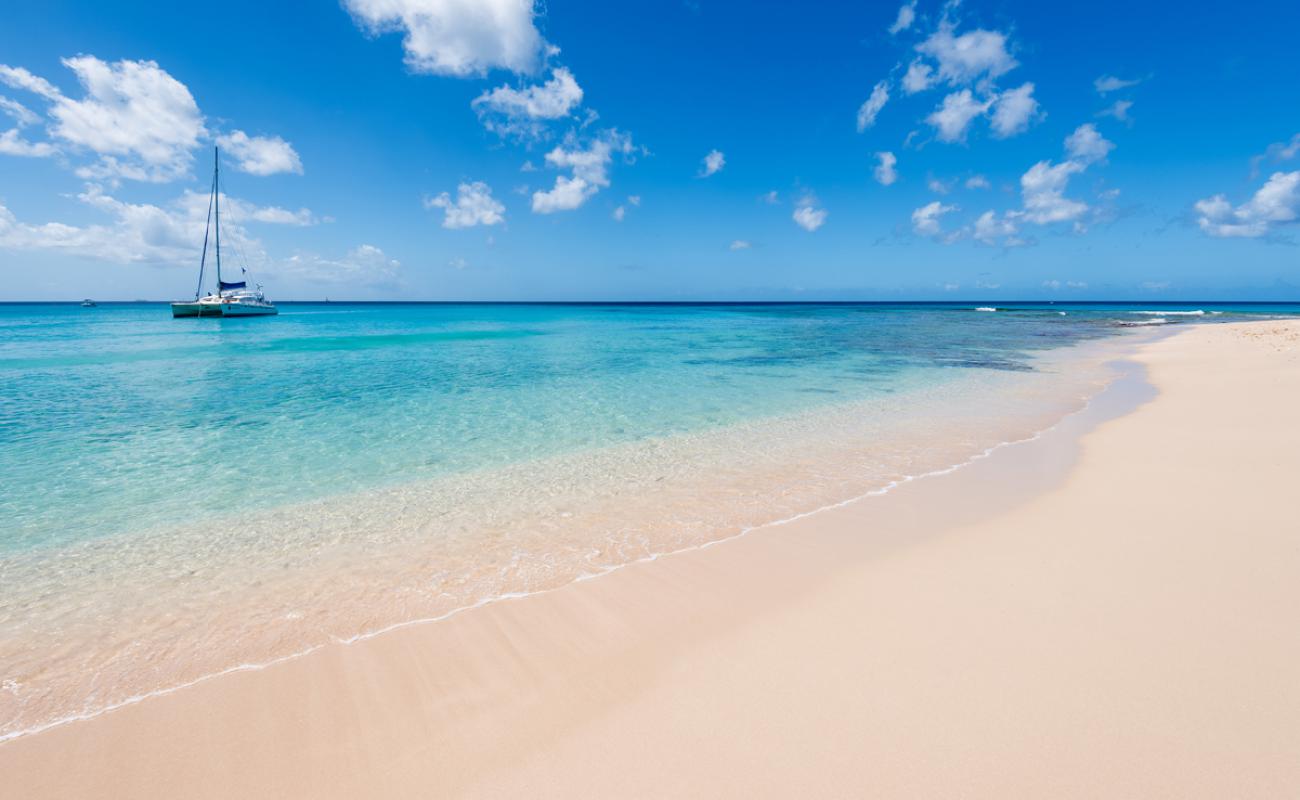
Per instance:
{"type": "Point", "coordinates": [181, 496]}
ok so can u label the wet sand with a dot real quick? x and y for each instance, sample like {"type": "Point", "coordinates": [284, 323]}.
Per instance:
{"type": "Point", "coordinates": [1109, 610]}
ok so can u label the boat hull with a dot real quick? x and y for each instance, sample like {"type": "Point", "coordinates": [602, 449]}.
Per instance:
{"type": "Point", "coordinates": [199, 309]}
{"type": "Point", "coordinates": [247, 310]}
{"type": "Point", "coordinates": [192, 310]}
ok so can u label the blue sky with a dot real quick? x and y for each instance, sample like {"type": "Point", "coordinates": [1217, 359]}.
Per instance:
{"type": "Point", "coordinates": [490, 149]}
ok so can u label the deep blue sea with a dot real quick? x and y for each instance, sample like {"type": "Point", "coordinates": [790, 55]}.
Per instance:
{"type": "Point", "coordinates": [150, 465]}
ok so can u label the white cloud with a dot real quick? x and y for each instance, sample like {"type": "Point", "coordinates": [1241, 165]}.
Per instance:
{"type": "Point", "coordinates": [989, 228]}
{"type": "Point", "coordinates": [12, 144]}
{"type": "Point", "coordinates": [1013, 111]}
{"type": "Point", "coordinates": [1109, 83]}
{"type": "Point", "coordinates": [145, 233]}
{"type": "Point", "coordinates": [969, 57]}
{"type": "Point", "coordinates": [567, 194]}
{"type": "Point", "coordinates": [977, 182]}
{"type": "Point", "coordinates": [20, 78]}
{"type": "Point", "coordinates": [808, 216]}
{"type": "Point", "coordinates": [619, 213]}
{"type": "Point", "coordinates": [1276, 152]}
{"type": "Point", "coordinates": [1274, 204]}
{"type": "Point", "coordinates": [142, 122]}
{"type": "Point", "coordinates": [919, 77]}
{"type": "Point", "coordinates": [233, 210]}
{"type": "Point", "coordinates": [634, 199]}
{"type": "Point", "coordinates": [1086, 145]}
{"type": "Point", "coordinates": [261, 155]}
{"type": "Point", "coordinates": [474, 205]}
{"type": "Point", "coordinates": [522, 113]}
{"type": "Point", "coordinates": [1043, 189]}
{"type": "Point", "coordinates": [925, 220]}
{"type": "Point", "coordinates": [365, 265]}
{"type": "Point", "coordinates": [589, 166]}
{"type": "Point", "coordinates": [21, 114]}
{"type": "Point", "coordinates": [937, 186]}
{"type": "Point", "coordinates": [771, 198]}
{"type": "Point", "coordinates": [457, 37]}
{"type": "Point", "coordinates": [868, 111]}
{"type": "Point", "coordinates": [906, 16]}
{"type": "Point", "coordinates": [885, 172]}
{"type": "Point", "coordinates": [712, 163]}
{"type": "Point", "coordinates": [1118, 110]}
{"type": "Point", "coordinates": [1284, 151]}
{"type": "Point", "coordinates": [740, 244]}
{"type": "Point", "coordinates": [954, 115]}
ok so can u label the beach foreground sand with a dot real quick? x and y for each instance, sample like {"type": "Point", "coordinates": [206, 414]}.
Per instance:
{"type": "Point", "coordinates": [1111, 610]}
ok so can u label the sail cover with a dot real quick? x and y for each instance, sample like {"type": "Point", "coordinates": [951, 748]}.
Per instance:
{"type": "Point", "coordinates": [239, 285]}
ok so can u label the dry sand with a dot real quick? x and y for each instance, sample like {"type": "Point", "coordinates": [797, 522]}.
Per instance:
{"type": "Point", "coordinates": [1112, 610]}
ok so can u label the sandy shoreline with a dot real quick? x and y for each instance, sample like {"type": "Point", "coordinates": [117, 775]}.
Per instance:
{"type": "Point", "coordinates": [1110, 610]}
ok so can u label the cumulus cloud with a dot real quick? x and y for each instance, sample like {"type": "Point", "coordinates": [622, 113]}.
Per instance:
{"type": "Point", "coordinates": [712, 163]}
{"type": "Point", "coordinates": [457, 37]}
{"type": "Point", "coordinates": [523, 113]}
{"type": "Point", "coordinates": [1043, 192]}
{"type": "Point", "coordinates": [919, 77]}
{"type": "Point", "coordinates": [869, 109]}
{"type": "Point", "coordinates": [145, 233]}
{"type": "Point", "coordinates": [1013, 111]}
{"type": "Point", "coordinates": [567, 194]}
{"type": "Point", "coordinates": [951, 119]}
{"type": "Point", "coordinates": [619, 213]}
{"type": "Point", "coordinates": [925, 220]}
{"type": "Point", "coordinates": [589, 168]}
{"type": "Point", "coordinates": [13, 144]}
{"type": "Point", "coordinates": [906, 16]}
{"type": "Point", "coordinates": [990, 229]}
{"type": "Point", "coordinates": [1043, 189]}
{"type": "Point", "coordinates": [1086, 145]}
{"type": "Point", "coordinates": [969, 57]}
{"type": "Point", "coordinates": [1275, 204]}
{"type": "Point", "coordinates": [977, 182]}
{"type": "Point", "coordinates": [140, 121]}
{"type": "Point", "coordinates": [808, 215]}
{"type": "Point", "coordinates": [885, 172]}
{"type": "Point", "coordinates": [261, 155]}
{"type": "Point", "coordinates": [739, 244]}
{"type": "Point", "coordinates": [1109, 83]}
{"type": "Point", "coordinates": [135, 118]}
{"type": "Point", "coordinates": [474, 205]}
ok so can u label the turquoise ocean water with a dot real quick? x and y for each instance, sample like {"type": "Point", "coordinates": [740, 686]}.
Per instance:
{"type": "Point", "coordinates": [149, 466]}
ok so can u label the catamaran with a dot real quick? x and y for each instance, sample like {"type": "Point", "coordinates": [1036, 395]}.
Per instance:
{"type": "Point", "coordinates": [232, 298]}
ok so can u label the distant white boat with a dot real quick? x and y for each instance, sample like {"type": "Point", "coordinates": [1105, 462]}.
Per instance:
{"type": "Point", "coordinates": [88, 303]}
{"type": "Point", "coordinates": [232, 298]}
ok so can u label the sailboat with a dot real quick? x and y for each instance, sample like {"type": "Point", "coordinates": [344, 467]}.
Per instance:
{"type": "Point", "coordinates": [232, 298]}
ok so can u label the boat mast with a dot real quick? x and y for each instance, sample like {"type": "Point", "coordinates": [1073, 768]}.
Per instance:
{"type": "Point", "coordinates": [216, 193]}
